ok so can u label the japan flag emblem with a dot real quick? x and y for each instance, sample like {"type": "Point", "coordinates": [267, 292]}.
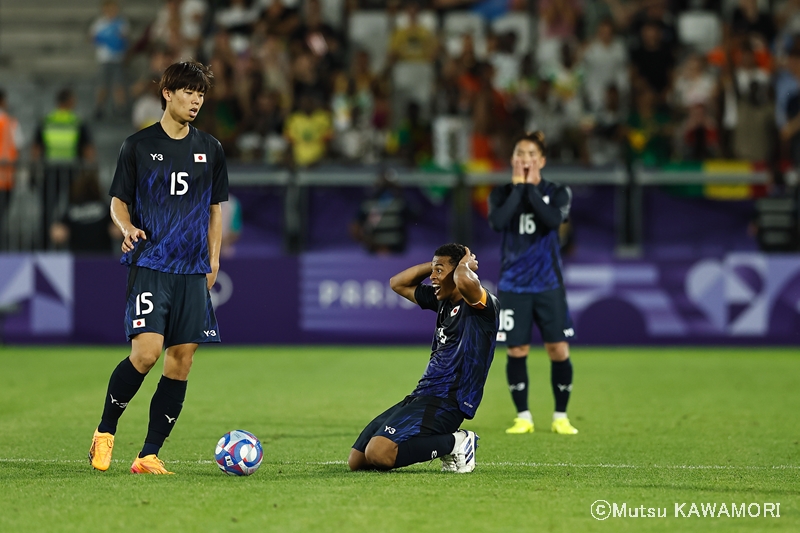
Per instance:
{"type": "Point", "coordinates": [200, 158]}
{"type": "Point", "coordinates": [454, 312]}
{"type": "Point", "coordinates": [138, 323]}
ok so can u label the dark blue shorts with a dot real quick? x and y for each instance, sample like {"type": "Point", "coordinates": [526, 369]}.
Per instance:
{"type": "Point", "coordinates": [415, 416]}
{"type": "Point", "coordinates": [177, 306]}
{"type": "Point", "coordinates": [547, 309]}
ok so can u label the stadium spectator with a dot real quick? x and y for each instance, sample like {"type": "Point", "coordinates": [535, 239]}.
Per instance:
{"type": "Point", "coordinates": [504, 60]}
{"type": "Point", "coordinates": [308, 132]}
{"type": "Point", "coordinates": [649, 130]}
{"type": "Point", "coordinates": [566, 76]}
{"type": "Point", "coordinates": [222, 111]}
{"type": "Point", "coordinates": [320, 38]}
{"type": "Point", "coordinates": [10, 143]}
{"type": "Point", "coordinates": [414, 136]}
{"type": "Point", "coordinates": [237, 20]}
{"type": "Point", "coordinates": [279, 19]}
{"type": "Point", "coordinates": [276, 69]}
{"type": "Point", "coordinates": [147, 107]}
{"type": "Point", "coordinates": [652, 61]}
{"type": "Point", "coordinates": [789, 101]}
{"type": "Point", "coordinates": [558, 21]}
{"type": "Point", "coordinates": [544, 113]}
{"type": "Point", "coordinates": [62, 143]}
{"type": "Point", "coordinates": [382, 219]}
{"type": "Point", "coordinates": [414, 42]}
{"type": "Point", "coordinates": [606, 130]}
{"type": "Point", "coordinates": [529, 212]}
{"type": "Point", "coordinates": [171, 266]}
{"type": "Point", "coordinates": [109, 32]}
{"type": "Point", "coordinates": [85, 226]}
{"type": "Point", "coordinates": [308, 81]}
{"type": "Point", "coordinates": [699, 135]}
{"type": "Point", "coordinates": [262, 130]}
{"type": "Point", "coordinates": [695, 85]}
{"type": "Point", "coordinates": [425, 424]}
{"type": "Point", "coordinates": [748, 18]}
{"type": "Point", "coordinates": [178, 27]}
{"type": "Point", "coordinates": [749, 110]}
{"type": "Point", "coordinates": [605, 62]}
{"type": "Point", "coordinates": [654, 12]}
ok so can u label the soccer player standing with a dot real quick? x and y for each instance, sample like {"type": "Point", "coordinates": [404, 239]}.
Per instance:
{"type": "Point", "coordinates": [528, 211]}
{"type": "Point", "coordinates": [166, 195]}
{"type": "Point", "coordinates": [425, 424]}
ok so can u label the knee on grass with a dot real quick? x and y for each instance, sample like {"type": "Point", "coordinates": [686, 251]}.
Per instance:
{"type": "Point", "coordinates": [381, 453]}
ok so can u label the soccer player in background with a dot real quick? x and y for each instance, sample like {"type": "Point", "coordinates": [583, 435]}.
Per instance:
{"type": "Point", "coordinates": [166, 195]}
{"type": "Point", "coordinates": [528, 211]}
{"type": "Point", "coordinates": [425, 424]}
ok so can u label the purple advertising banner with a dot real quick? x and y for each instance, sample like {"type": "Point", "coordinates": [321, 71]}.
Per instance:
{"type": "Point", "coordinates": [738, 298]}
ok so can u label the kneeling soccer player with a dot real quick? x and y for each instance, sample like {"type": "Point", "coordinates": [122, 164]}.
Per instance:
{"type": "Point", "coordinates": [425, 424]}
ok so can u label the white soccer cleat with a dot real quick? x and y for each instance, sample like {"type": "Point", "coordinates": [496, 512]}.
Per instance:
{"type": "Point", "coordinates": [465, 454]}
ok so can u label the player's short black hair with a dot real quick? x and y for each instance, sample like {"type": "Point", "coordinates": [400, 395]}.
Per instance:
{"type": "Point", "coordinates": [191, 75]}
{"type": "Point", "coordinates": [536, 137]}
{"type": "Point", "coordinates": [452, 250]}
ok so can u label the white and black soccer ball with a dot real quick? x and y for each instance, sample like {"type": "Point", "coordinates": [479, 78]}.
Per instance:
{"type": "Point", "coordinates": [239, 453]}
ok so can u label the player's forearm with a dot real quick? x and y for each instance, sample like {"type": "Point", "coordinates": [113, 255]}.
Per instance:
{"type": "Point", "coordinates": [549, 215]}
{"type": "Point", "coordinates": [120, 215]}
{"type": "Point", "coordinates": [468, 283]}
{"type": "Point", "coordinates": [410, 277]}
{"type": "Point", "coordinates": [501, 212]}
{"type": "Point", "coordinates": [214, 236]}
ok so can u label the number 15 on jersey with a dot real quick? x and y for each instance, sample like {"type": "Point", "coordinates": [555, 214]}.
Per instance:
{"type": "Point", "coordinates": [178, 184]}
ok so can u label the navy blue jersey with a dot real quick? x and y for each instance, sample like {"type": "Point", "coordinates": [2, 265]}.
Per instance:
{"type": "Point", "coordinates": [462, 349]}
{"type": "Point", "coordinates": [169, 185]}
{"type": "Point", "coordinates": [529, 217]}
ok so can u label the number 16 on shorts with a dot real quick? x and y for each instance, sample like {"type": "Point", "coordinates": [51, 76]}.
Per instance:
{"type": "Point", "coordinates": [506, 324]}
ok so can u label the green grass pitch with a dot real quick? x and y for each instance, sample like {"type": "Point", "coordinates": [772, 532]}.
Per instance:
{"type": "Point", "coordinates": [658, 427]}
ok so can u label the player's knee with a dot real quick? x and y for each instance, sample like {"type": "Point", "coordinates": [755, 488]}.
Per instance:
{"type": "Point", "coordinates": [143, 361]}
{"type": "Point", "coordinates": [557, 351]}
{"type": "Point", "coordinates": [518, 351]}
{"type": "Point", "coordinates": [357, 460]}
{"type": "Point", "coordinates": [380, 454]}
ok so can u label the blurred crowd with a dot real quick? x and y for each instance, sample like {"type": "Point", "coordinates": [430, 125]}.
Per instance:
{"type": "Point", "coordinates": [441, 81]}
{"type": "Point", "coordinates": [434, 83]}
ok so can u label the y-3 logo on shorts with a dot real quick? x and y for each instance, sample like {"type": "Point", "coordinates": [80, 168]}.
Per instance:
{"type": "Point", "coordinates": [210, 332]}
{"type": "Point", "coordinates": [389, 430]}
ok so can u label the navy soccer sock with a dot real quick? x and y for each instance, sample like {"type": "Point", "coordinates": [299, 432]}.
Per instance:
{"type": "Point", "coordinates": [165, 407]}
{"type": "Point", "coordinates": [517, 375]}
{"type": "Point", "coordinates": [420, 449]}
{"type": "Point", "coordinates": [561, 379]}
{"type": "Point", "coordinates": [122, 387]}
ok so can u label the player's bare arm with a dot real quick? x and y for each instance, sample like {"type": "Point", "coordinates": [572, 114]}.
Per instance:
{"type": "Point", "coordinates": [122, 219]}
{"type": "Point", "coordinates": [406, 282]}
{"type": "Point", "coordinates": [466, 279]}
{"type": "Point", "coordinates": [214, 242]}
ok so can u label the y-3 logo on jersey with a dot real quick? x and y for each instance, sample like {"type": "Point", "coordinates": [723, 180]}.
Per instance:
{"type": "Point", "coordinates": [159, 157]}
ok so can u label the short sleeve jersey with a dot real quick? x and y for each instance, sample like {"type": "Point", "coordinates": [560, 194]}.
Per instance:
{"type": "Point", "coordinates": [461, 352]}
{"type": "Point", "coordinates": [169, 185]}
{"type": "Point", "coordinates": [531, 256]}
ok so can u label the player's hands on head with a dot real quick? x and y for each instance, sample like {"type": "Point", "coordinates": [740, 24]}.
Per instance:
{"type": "Point", "coordinates": [470, 260]}
{"type": "Point", "coordinates": [130, 237]}
{"type": "Point", "coordinates": [517, 171]}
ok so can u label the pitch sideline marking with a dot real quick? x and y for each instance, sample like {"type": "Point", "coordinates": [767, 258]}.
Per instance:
{"type": "Point", "coordinates": [490, 463]}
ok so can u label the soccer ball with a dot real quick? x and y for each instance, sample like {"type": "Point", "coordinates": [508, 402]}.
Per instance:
{"type": "Point", "coordinates": [239, 453]}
